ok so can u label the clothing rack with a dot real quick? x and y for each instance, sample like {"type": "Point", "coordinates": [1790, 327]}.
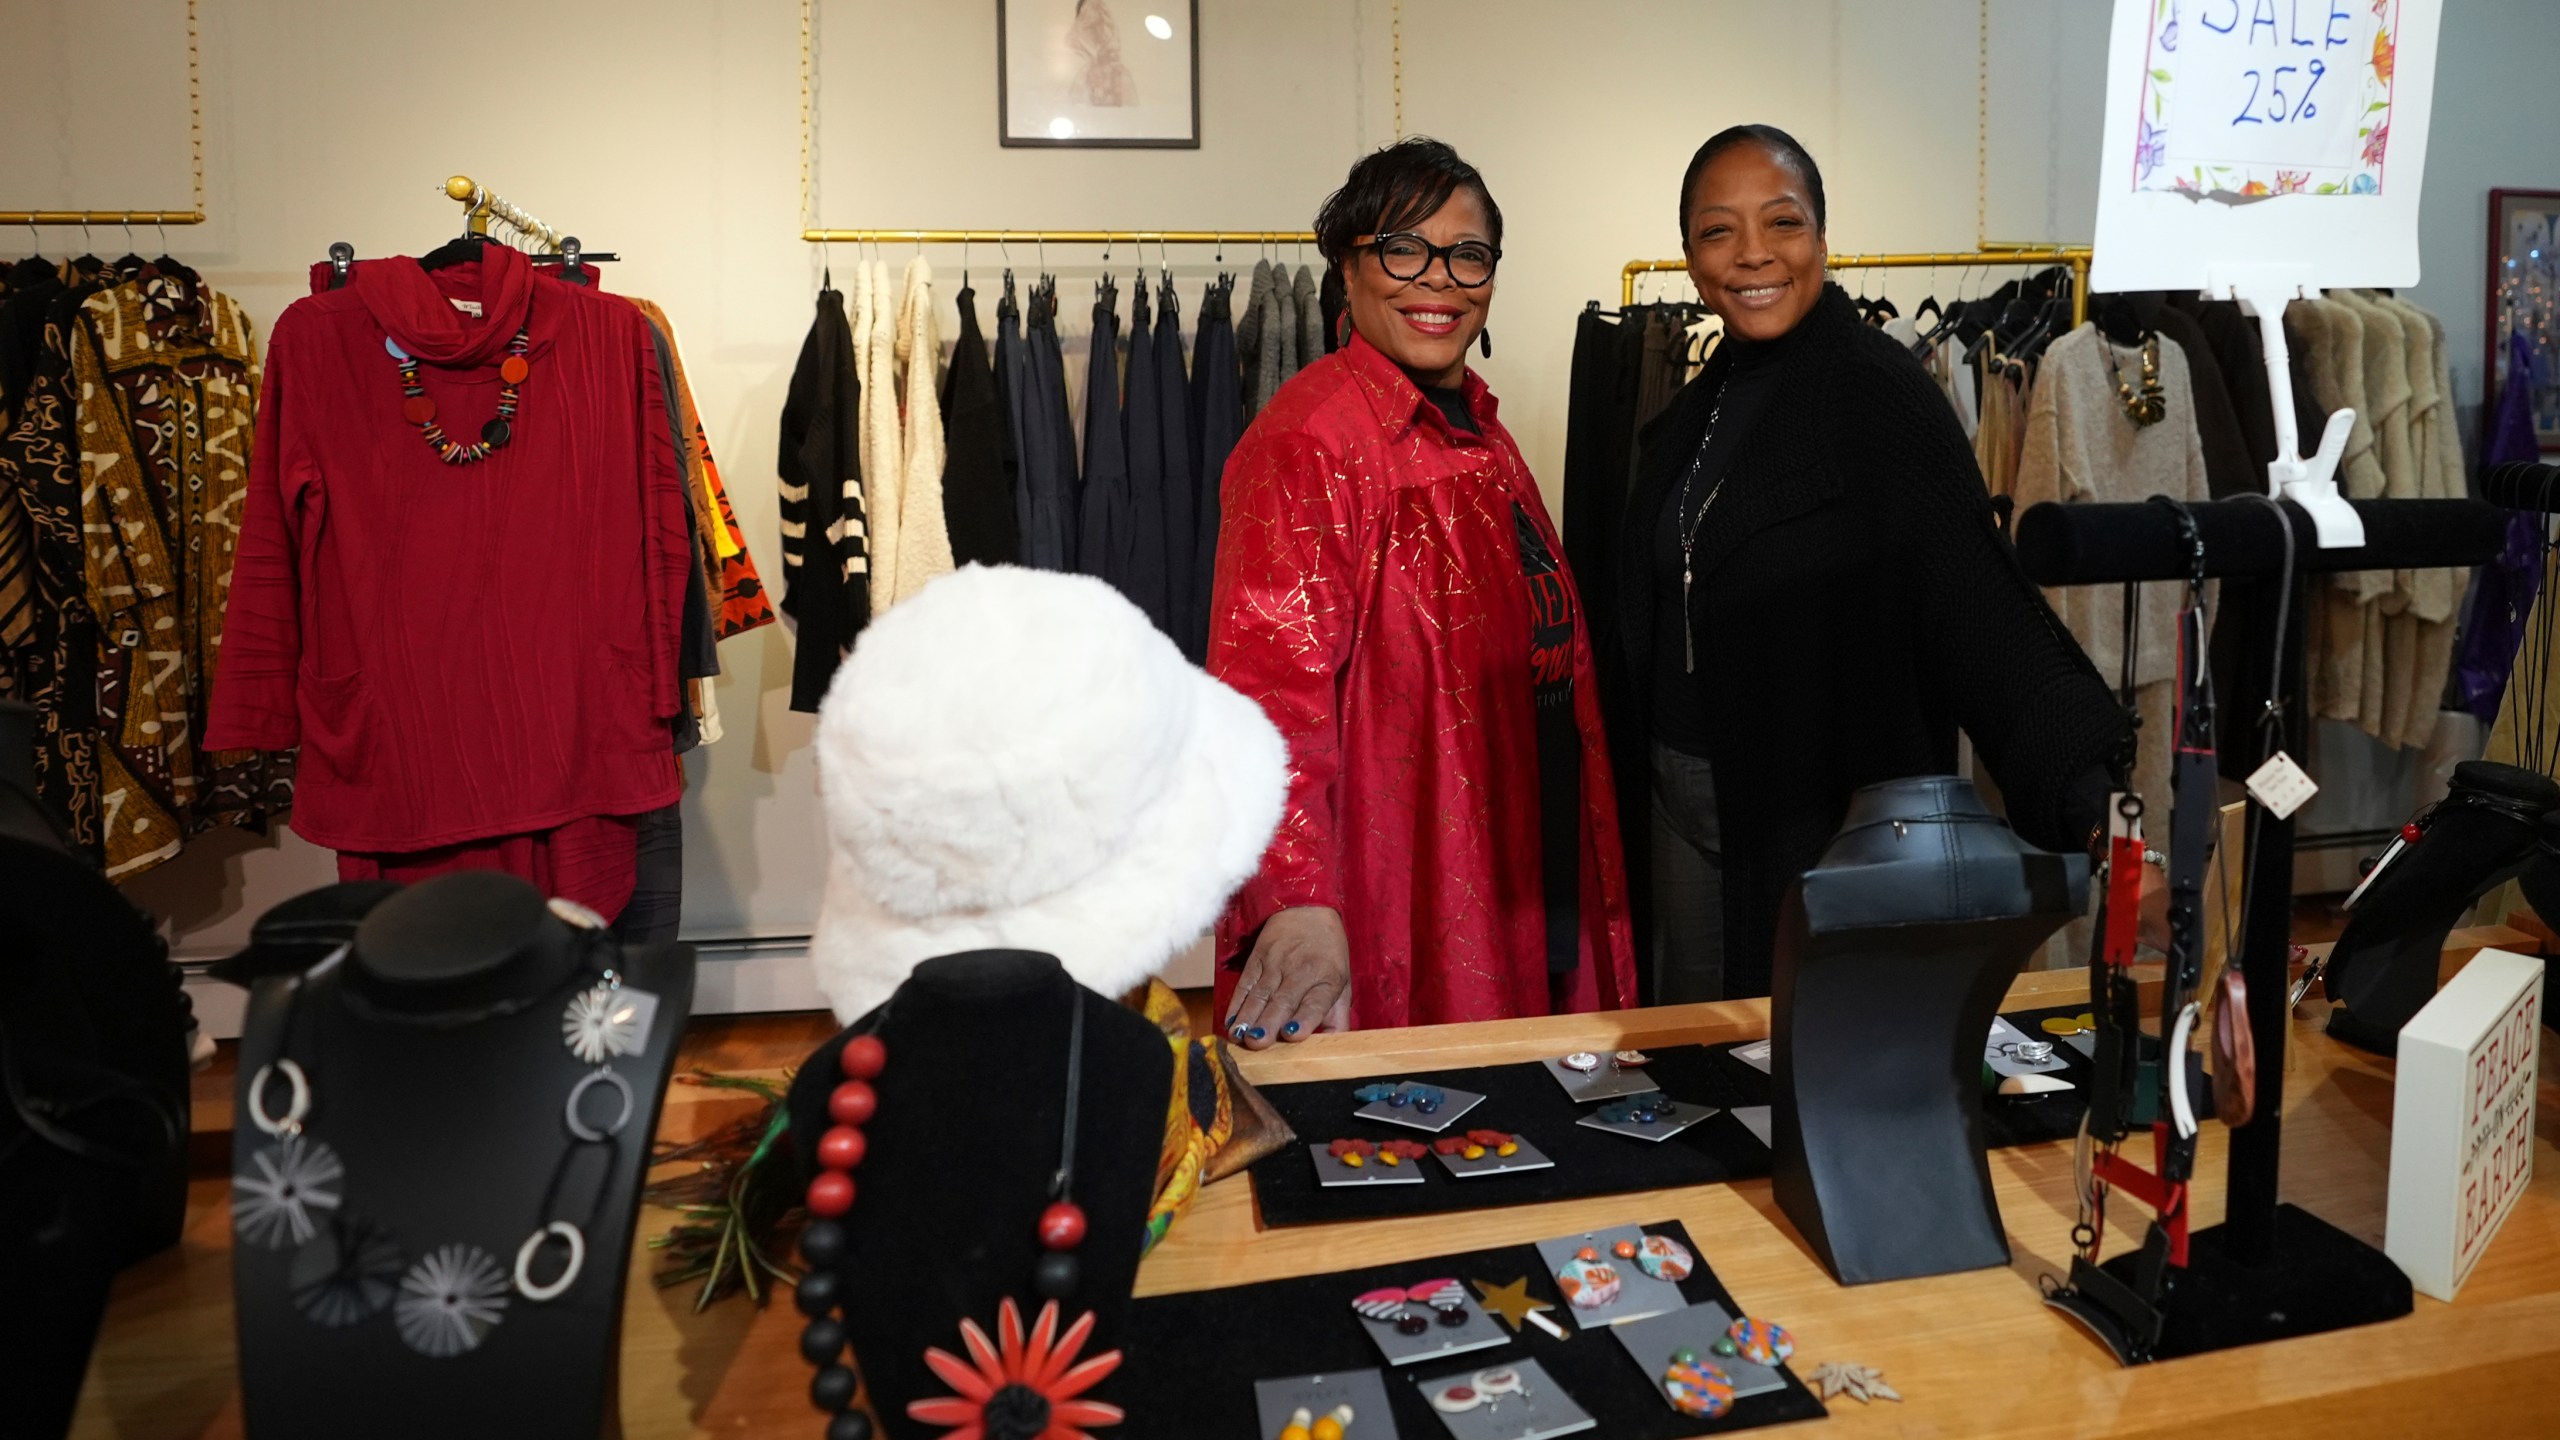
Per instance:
{"type": "Point", "coordinates": [101, 217]}
{"type": "Point", "coordinates": [2074, 256]}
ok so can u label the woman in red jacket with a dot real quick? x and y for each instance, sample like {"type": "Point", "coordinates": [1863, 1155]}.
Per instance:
{"type": "Point", "coordinates": [1391, 590]}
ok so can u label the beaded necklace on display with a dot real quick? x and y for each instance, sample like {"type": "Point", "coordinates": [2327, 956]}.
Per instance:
{"type": "Point", "coordinates": [840, 1151]}
{"type": "Point", "coordinates": [348, 1268]}
{"type": "Point", "coordinates": [419, 408]}
{"type": "Point", "coordinates": [2151, 405]}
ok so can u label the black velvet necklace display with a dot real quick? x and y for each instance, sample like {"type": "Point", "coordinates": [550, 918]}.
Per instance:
{"type": "Point", "coordinates": [444, 1129]}
{"type": "Point", "coordinates": [961, 1158]}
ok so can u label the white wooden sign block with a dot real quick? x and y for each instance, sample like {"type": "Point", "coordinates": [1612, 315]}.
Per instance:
{"type": "Point", "coordinates": [2462, 1118]}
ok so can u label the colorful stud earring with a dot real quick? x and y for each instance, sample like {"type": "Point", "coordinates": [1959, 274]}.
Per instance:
{"type": "Point", "coordinates": [1624, 1249]}
{"type": "Point", "coordinates": [1760, 1341]}
{"type": "Point", "coordinates": [1456, 1399]}
{"type": "Point", "coordinates": [1447, 1299]}
{"type": "Point", "coordinates": [1296, 1429]}
{"type": "Point", "coordinates": [1631, 1059]}
{"type": "Point", "coordinates": [1698, 1390]}
{"type": "Point", "coordinates": [1331, 1425]}
{"type": "Point", "coordinates": [1352, 1153]}
{"type": "Point", "coordinates": [1392, 1152]}
{"type": "Point", "coordinates": [1586, 1282]}
{"type": "Point", "coordinates": [1664, 1258]}
{"type": "Point", "coordinates": [1493, 1385]}
{"type": "Point", "coordinates": [1581, 1060]}
{"type": "Point", "coordinates": [1372, 1094]}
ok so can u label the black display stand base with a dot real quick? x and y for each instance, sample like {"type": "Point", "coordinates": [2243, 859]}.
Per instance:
{"type": "Point", "coordinates": [2319, 1278]}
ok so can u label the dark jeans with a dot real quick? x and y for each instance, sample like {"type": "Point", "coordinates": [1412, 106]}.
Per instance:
{"type": "Point", "coordinates": [1688, 880]}
{"type": "Point", "coordinates": [657, 898]}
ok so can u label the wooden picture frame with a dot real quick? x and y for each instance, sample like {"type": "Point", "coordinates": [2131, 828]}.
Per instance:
{"type": "Point", "coordinates": [2523, 290]}
{"type": "Point", "coordinates": [1081, 74]}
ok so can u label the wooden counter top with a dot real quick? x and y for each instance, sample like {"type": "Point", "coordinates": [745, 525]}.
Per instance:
{"type": "Point", "coordinates": [1974, 1355]}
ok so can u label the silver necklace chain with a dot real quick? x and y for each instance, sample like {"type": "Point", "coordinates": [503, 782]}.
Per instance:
{"type": "Point", "coordinates": [1689, 536]}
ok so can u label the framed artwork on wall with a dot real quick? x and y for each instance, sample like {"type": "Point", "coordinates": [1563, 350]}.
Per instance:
{"type": "Point", "coordinates": [2524, 300]}
{"type": "Point", "coordinates": [1098, 73]}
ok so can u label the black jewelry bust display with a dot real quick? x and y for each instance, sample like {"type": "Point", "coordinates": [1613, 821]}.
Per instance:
{"type": "Point", "coordinates": [433, 1058]}
{"type": "Point", "coordinates": [1893, 954]}
{"type": "Point", "coordinates": [93, 1126]}
{"type": "Point", "coordinates": [962, 1154]}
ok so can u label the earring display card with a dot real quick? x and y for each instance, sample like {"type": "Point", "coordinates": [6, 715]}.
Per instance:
{"type": "Point", "coordinates": [1605, 1082]}
{"type": "Point", "coordinates": [1639, 1295]}
{"type": "Point", "coordinates": [1662, 1128]}
{"type": "Point", "coordinates": [1452, 1104]}
{"type": "Point", "coordinates": [1365, 1391]}
{"type": "Point", "coordinates": [1527, 1157]}
{"type": "Point", "coordinates": [1537, 1408]}
{"type": "Point", "coordinates": [1478, 1332]}
{"type": "Point", "coordinates": [1756, 1055]}
{"type": "Point", "coordinates": [1998, 1054]}
{"type": "Point", "coordinates": [1370, 1171]}
{"type": "Point", "coordinates": [1652, 1343]}
{"type": "Point", "coordinates": [1754, 1118]}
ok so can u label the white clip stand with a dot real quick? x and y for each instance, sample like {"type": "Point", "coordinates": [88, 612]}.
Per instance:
{"type": "Point", "coordinates": [2308, 481]}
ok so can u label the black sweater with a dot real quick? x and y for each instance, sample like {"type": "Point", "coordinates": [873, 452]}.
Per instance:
{"type": "Point", "coordinates": [1854, 607]}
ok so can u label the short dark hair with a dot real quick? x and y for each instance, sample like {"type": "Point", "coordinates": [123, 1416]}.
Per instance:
{"type": "Point", "coordinates": [1397, 187]}
{"type": "Point", "coordinates": [1769, 135]}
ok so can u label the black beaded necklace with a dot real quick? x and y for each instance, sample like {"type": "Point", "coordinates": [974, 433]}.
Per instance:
{"type": "Point", "coordinates": [840, 1150]}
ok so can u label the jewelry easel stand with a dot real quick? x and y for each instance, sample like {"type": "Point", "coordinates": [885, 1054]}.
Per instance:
{"type": "Point", "coordinates": [2270, 1271]}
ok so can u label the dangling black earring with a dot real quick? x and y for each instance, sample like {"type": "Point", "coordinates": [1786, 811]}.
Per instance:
{"type": "Point", "coordinates": [1484, 342]}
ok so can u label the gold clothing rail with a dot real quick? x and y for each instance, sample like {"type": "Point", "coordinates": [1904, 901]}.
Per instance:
{"type": "Point", "coordinates": [1061, 237]}
{"type": "Point", "coordinates": [2074, 256]}
{"type": "Point", "coordinates": [101, 217]}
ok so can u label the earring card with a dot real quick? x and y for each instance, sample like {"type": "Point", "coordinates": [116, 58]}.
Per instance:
{"type": "Point", "coordinates": [1538, 1410]}
{"type": "Point", "coordinates": [1639, 1294]}
{"type": "Point", "coordinates": [1365, 1391]}
{"type": "Point", "coordinates": [1652, 1343]}
{"type": "Point", "coordinates": [1370, 1171]}
{"type": "Point", "coordinates": [1607, 1082]}
{"type": "Point", "coordinates": [1453, 1103]}
{"type": "Point", "coordinates": [1528, 1157]}
{"type": "Point", "coordinates": [1479, 1332]}
{"type": "Point", "coordinates": [1688, 1113]}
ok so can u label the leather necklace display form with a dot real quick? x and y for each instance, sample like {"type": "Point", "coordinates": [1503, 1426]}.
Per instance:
{"type": "Point", "coordinates": [346, 1268]}
{"type": "Point", "coordinates": [1018, 1386]}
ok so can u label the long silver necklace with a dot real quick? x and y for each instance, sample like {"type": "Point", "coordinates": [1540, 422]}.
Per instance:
{"type": "Point", "coordinates": [347, 1268]}
{"type": "Point", "coordinates": [1689, 537]}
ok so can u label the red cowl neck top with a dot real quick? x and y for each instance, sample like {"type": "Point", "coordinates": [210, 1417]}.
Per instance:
{"type": "Point", "coordinates": [461, 651]}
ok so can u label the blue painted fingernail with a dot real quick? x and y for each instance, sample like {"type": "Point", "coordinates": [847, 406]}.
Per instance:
{"type": "Point", "coordinates": [1289, 1029]}
{"type": "Point", "coordinates": [1255, 1033]}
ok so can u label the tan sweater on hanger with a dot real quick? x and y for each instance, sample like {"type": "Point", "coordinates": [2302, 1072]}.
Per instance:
{"type": "Point", "coordinates": [923, 537]}
{"type": "Point", "coordinates": [2081, 446]}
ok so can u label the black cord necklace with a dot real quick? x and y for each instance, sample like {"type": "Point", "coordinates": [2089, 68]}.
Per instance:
{"type": "Point", "coordinates": [347, 1268]}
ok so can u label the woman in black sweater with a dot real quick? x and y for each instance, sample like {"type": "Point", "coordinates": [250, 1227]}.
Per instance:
{"type": "Point", "coordinates": [1815, 596]}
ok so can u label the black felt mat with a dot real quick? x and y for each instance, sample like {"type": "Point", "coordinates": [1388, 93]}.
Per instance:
{"type": "Point", "coordinates": [1525, 1100]}
{"type": "Point", "coordinates": [1193, 1358]}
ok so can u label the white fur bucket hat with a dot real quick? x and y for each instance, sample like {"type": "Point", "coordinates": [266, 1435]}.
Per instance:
{"type": "Point", "coordinates": [1018, 759]}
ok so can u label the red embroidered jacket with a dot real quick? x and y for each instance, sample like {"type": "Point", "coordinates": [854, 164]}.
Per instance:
{"type": "Point", "coordinates": [1370, 595]}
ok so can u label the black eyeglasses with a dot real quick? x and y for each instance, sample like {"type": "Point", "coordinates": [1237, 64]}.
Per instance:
{"type": "Point", "coordinates": [1406, 256]}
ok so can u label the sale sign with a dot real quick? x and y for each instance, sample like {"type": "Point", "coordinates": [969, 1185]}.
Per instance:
{"type": "Point", "coordinates": [2462, 1118]}
{"type": "Point", "coordinates": [2243, 98]}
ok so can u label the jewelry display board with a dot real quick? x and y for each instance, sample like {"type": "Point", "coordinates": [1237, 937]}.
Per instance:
{"type": "Point", "coordinates": [1525, 1100]}
{"type": "Point", "coordinates": [1305, 1326]}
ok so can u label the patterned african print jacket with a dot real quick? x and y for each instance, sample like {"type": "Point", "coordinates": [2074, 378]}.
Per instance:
{"type": "Point", "coordinates": [1370, 595]}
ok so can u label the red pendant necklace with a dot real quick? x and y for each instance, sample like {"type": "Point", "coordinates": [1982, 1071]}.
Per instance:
{"type": "Point", "coordinates": [419, 408]}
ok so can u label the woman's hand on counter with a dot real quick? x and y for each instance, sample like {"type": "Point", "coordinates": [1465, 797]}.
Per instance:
{"type": "Point", "coordinates": [1297, 980]}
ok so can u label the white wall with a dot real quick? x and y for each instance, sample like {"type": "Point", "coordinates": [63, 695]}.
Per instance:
{"type": "Point", "coordinates": [668, 130]}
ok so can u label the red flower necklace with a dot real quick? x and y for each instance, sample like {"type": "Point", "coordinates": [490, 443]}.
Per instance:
{"type": "Point", "coordinates": [419, 408]}
{"type": "Point", "coordinates": [1016, 1390]}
